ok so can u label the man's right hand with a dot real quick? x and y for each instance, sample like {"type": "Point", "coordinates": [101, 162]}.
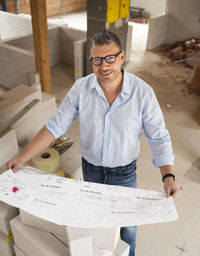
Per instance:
{"type": "Point", "coordinates": [41, 141]}
{"type": "Point", "coordinates": [14, 163]}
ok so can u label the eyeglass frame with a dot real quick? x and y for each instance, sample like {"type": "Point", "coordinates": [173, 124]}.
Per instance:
{"type": "Point", "coordinates": [104, 58]}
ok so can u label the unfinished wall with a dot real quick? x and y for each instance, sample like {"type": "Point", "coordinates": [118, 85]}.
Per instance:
{"type": "Point", "coordinates": [26, 42]}
{"type": "Point", "coordinates": [12, 25]}
{"type": "Point", "coordinates": [181, 22]}
{"type": "Point", "coordinates": [17, 59]}
{"type": "Point", "coordinates": [16, 65]}
{"type": "Point", "coordinates": [184, 20]}
{"type": "Point", "coordinates": [152, 7]}
{"type": "Point", "coordinates": [68, 36]}
{"type": "Point", "coordinates": [157, 31]}
{"type": "Point", "coordinates": [54, 8]}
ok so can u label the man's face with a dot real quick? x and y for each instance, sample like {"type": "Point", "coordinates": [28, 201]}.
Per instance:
{"type": "Point", "coordinates": [107, 72]}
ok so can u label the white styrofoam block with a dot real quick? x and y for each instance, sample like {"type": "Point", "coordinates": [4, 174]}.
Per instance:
{"type": "Point", "coordinates": [15, 100]}
{"type": "Point", "coordinates": [34, 242]}
{"type": "Point", "coordinates": [122, 248]}
{"type": "Point", "coordinates": [79, 242]}
{"type": "Point", "coordinates": [41, 224]}
{"type": "Point", "coordinates": [8, 146]}
{"type": "Point", "coordinates": [101, 252]}
{"type": "Point", "coordinates": [77, 174]}
{"type": "Point", "coordinates": [7, 213]}
{"type": "Point", "coordinates": [79, 50]}
{"type": "Point", "coordinates": [18, 251]}
{"type": "Point", "coordinates": [6, 245]}
{"type": "Point", "coordinates": [105, 238]}
{"type": "Point", "coordinates": [69, 161]}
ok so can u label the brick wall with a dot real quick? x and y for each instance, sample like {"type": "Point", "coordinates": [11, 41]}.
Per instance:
{"type": "Point", "coordinates": [11, 5]}
{"type": "Point", "coordinates": [54, 7]}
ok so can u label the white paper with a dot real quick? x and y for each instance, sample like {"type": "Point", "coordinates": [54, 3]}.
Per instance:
{"type": "Point", "coordinates": [83, 204]}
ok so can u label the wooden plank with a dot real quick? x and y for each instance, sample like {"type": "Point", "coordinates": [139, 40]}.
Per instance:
{"type": "Point", "coordinates": [41, 45]}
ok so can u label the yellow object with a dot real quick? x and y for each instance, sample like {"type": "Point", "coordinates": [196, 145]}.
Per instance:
{"type": "Point", "coordinates": [112, 10]}
{"type": "Point", "coordinates": [48, 160]}
{"type": "Point", "coordinates": [60, 173]}
{"type": "Point", "coordinates": [77, 69]}
{"type": "Point", "coordinates": [10, 236]}
{"type": "Point", "coordinates": [124, 9]}
{"type": "Point", "coordinates": [116, 244]}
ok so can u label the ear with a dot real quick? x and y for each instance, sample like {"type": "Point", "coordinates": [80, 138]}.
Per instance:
{"type": "Point", "coordinates": [122, 56]}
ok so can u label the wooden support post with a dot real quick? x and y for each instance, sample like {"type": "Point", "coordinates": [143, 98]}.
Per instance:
{"type": "Point", "coordinates": [41, 45]}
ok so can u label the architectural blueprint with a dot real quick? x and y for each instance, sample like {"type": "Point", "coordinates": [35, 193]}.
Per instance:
{"type": "Point", "coordinates": [82, 204]}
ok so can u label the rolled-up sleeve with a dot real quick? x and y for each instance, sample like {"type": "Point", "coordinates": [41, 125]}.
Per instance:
{"type": "Point", "coordinates": [66, 113]}
{"type": "Point", "coordinates": [154, 129]}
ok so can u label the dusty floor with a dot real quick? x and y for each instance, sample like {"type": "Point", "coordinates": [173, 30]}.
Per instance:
{"type": "Point", "coordinates": [181, 110]}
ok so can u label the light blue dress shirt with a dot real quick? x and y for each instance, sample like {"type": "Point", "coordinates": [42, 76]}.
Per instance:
{"type": "Point", "coordinates": [110, 135]}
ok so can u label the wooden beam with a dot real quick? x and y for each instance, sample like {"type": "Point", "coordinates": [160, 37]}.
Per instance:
{"type": "Point", "coordinates": [41, 45]}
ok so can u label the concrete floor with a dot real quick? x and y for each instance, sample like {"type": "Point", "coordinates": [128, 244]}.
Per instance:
{"type": "Point", "coordinates": [181, 110]}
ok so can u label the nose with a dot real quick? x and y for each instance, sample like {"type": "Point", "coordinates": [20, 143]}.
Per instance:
{"type": "Point", "coordinates": [104, 64]}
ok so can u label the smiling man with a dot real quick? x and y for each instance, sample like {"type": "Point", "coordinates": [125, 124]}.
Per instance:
{"type": "Point", "coordinates": [114, 108]}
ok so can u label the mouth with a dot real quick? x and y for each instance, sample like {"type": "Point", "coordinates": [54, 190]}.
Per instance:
{"type": "Point", "coordinates": [105, 74]}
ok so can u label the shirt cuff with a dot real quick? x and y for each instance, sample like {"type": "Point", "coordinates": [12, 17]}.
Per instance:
{"type": "Point", "coordinates": [49, 128]}
{"type": "Point", "coordinates": [161, 160]}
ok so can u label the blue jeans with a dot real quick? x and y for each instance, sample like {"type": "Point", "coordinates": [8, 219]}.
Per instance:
{"type": "Point", "coordinates": [123, 176]}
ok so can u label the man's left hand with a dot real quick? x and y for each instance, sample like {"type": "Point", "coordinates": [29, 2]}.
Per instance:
{"type": "Point", "coordinates": [171, 188]}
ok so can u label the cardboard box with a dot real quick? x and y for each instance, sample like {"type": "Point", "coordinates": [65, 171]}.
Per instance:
{"type": "Point", "coordinates": [7, 213]}
{"type": "Point", "coordinates": [41, 224]}
{"type": "Point", "coordinates": [105, 238]}
{"type": "Point", "coordinates": [18, 251]}
{"type": "Point", "coordinates": [79, 242]}
{"type": "Point", "coordinates": [8, 146]}
{"type": "Point", "coordinates": [6, 245]}
{"type": "Point", "coordinates": [34, 242]}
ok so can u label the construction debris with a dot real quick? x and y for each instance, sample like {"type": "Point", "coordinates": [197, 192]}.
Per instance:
{"type": "Point", "coordinates": [187, 52]}
{"type": "Point", "coordinates": [195, 82]}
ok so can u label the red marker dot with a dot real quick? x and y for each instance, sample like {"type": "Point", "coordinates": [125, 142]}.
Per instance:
{"type": "Point", "coordinates": [15, 189]}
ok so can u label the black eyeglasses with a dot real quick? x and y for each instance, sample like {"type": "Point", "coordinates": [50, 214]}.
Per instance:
{"type": "Point", "coordinates": [97, 61]}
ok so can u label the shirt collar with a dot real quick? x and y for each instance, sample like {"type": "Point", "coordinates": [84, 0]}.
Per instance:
{"type": "Point", "coordinates": [125, 84]}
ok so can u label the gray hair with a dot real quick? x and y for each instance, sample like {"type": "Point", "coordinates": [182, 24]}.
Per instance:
{"type": "Point", "coordinates": [104, 37]}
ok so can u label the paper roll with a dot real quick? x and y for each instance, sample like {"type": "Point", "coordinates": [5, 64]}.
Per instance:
{"type": "Point", "coordinates": [48, 160]}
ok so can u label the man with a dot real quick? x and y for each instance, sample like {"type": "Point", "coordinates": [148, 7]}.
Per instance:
{"type": "Point", "coordinates": [114, 107]}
